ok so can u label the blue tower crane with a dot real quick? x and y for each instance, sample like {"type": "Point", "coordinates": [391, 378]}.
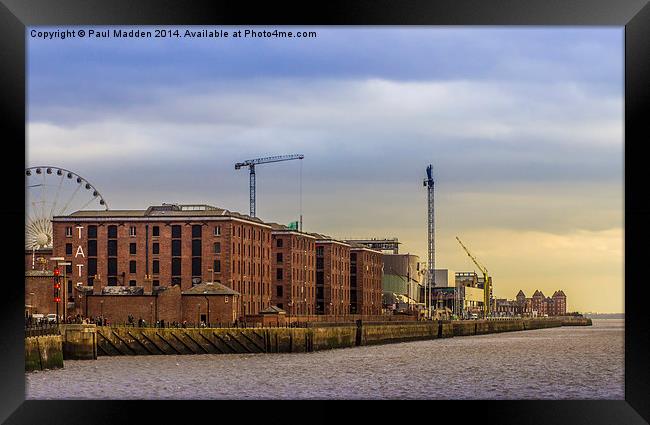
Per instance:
{"type": "Point", "coordinates": [251, 163]}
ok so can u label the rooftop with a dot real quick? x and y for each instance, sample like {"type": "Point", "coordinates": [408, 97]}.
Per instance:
{"type": "Point", "coordinates": [166, 210]}
{"type": "Point", "coordinates": [277, 227]}
{"type": "Point", "coordinates": [274, 309]}
{"type": "Point", "coordinates": [326, 238]}
{"type": "Point", "coordinates": [209, 288]}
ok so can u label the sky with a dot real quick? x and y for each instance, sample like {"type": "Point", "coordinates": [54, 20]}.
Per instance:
{"type": "Point", "coordinates": [523, 126]}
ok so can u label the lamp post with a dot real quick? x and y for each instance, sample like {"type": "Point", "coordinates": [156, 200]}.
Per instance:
{"type": "Point", "coordinates": [151, 306]}
{"type": "Point", "coordinates": [101, 304]}
{"type": "Point", "coordinates": [65, 287]}
{"type": "Point", "coordinates": [198, 315]}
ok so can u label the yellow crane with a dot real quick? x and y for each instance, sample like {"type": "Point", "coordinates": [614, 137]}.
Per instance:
{"type": "Point", "coordinates": [487, 290]}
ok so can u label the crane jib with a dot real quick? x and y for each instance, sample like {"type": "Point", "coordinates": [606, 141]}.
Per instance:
{"type": "Point", "coordinates": [250, 163]}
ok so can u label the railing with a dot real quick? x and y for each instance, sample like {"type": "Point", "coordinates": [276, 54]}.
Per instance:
{"type": "Point", "coordinates": [42, 329]}
{"type": "Point", "coordinates": [166, 325]}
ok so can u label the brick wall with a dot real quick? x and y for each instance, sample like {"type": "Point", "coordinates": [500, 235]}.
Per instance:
{"type": "Point", "coordinates": [244, 255]}
{"type": "Point", "coordinates": [116, 308]}
{"type": "Point", "coordinates": [222, 308]}
{"type": "Point", "coordinates": [369, 281]}
{"type": "Point", "coordinates": [336, 277]}
{"type": "Point", "coordinates": [298, 264]}
{"type": "Point", "coordinates": [39, 294]}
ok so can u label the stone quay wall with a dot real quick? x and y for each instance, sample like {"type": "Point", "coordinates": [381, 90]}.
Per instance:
{"type": "Point", "coordinates": [43, 352]}
{"type": "Point", "coordinates": [576, 321]}
{"type": "Point", "coordinates": [79, 341]}
{"type": "Point", "coordinates": [123, 340]}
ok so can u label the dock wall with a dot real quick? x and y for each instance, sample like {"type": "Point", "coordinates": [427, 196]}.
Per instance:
{"type": "Point", "coordinates": [79, 341]}
{"type": "Point", "coordinates": [121, 340]}
{"type": "Point", "coordinates": [43, 352]}
{"type": "Point", "coordinates": [576, 321]}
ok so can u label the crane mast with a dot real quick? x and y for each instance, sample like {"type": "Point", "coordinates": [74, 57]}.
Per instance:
{"type": "Point", "coordinates": [486, 286]}
{"type": "Point", "coordinates": [251, 163]}
{"type": "Point", "coordinates": [428, 183]}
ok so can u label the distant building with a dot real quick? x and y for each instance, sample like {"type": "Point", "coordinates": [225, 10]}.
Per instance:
{"type": "Point", "coordinates": [470, 293]}
{"type": "Point", "coordinates": [403, 275]}
{"type": "Point", "coordinates": [444, 278]}
{"type": "Point", "coordinates": [332, 276]}
{"type": "Point", "coordinates": [540, 305]}
{"type": "Point", "coordinates": [365, 280]}
{"type": "Point", "coordinates": [385, 245]}
{"type": "Point", "coordinates": [293, 272]}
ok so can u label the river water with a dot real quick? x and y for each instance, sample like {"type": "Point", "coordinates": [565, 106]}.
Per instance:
{"type": "Point", "coordinates": [557, 363]}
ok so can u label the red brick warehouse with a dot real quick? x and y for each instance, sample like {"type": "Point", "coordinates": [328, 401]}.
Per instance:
{"type": "Point", "coordinates": [366, 272]}
{"type": "Point", "coordinates": [168, 245]}
{"type": "Point", "coordinates": [293, 270]}
{"type": "Point", "coordinates": [332, 276]}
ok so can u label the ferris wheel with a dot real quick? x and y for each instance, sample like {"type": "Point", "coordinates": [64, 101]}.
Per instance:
{"type": "Point", "coordinates": [52, 191]}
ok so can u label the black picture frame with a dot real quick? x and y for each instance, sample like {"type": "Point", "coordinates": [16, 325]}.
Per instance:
{"type": "Point", "coordinates": [634, 15]}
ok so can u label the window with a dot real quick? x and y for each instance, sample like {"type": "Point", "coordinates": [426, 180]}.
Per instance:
{"type": "Point", "coordinates": [68, 268]}
{"type": "Point", "coordinates": [156, 248]}
{"type": "Point", "coordinates": [68, 249]}
{"type": "Point", "coordinates": [132, 231]}
{"type": "Point", "coordinates": [155, 231]}
{"type": "Point", "coordinates": [176, 247]}
{"type": "Point", "coordinates": [112, 266]}
{"type": "Point", "coordinates": [132, 266]}
{"type": "Point", "coordinates": [92, 232]}
{"type": "Point", "coordinates": [279, 290]}
{"type": "Point", "coordinates": [217, 230]}
{"type": "Point", "coordinates": [112, 232]}
{"type": "Point", "coordinates": [279, 243]}
{"type": "Point", "coordinates": [155, 269]}
{"type": "Point", "coordinates": [278, 274]}
{"type": "Point", "coordinates": [176, 280]}
{"type": "Point", "coordinates": [92, 267]}
{"type": "Point", "coordinates": [112, 247]}
{"type": "Point", "coordinates": [68, 232]}
{"type": "Point", "coordinates": [156, 283]}
{"type": "Point", "coordinates": [131, 282]}
{"type": "Point", "coordinates": [216, 266]}
{"type": "Point", "coordinates": [132, 248]}
{"type": "Point", "coordinates": [280, 305]}
{"type": "Point", "coordinates": [176, 266]}
{"type": "Point", "coordinates": [196, 247]}
{"type": "Point", "coordinates": [196, 266]}
{"type": "Point", "coordinates": [320, 251]}
{"type": "Point", "coordinates": [112, 281]}
{"type": "Point", "coordinates": [176, 231]}
{"type": "Point", "coordinates": [92, 247]}
{"type": "Point", "coordinates": [217, 248]}
{"type": "Point", "coordinates": [279, 257]}
{"type": "Point", "coordinates": [196, 230]}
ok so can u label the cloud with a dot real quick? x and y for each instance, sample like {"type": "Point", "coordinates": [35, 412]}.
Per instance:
{"type": "Point", "coordinates": [524, 129]}
{"type": "Point", "coordinates": [472, 130]}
